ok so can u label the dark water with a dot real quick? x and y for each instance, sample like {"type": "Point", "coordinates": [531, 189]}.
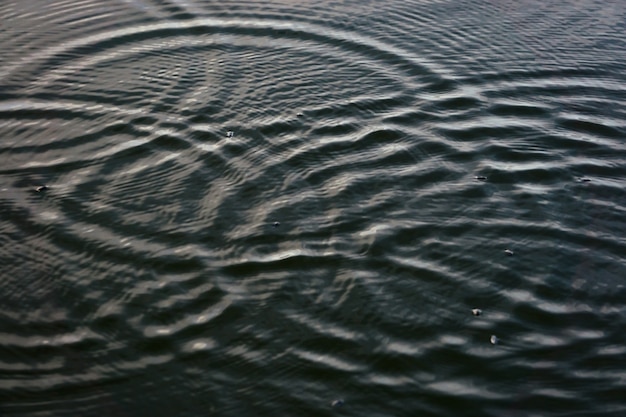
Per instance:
{"type": "Point", "coordinates": [384, 155]}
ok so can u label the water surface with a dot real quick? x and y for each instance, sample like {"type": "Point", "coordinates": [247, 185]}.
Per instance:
{"type": "Point", "coordinates": [383, 157]}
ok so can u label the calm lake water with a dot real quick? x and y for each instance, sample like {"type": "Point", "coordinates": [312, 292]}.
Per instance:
{"type": "Point", "coordinates": [290, 208]}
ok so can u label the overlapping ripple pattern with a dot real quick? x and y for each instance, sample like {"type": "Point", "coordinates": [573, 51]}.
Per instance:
{"type": "Point", "coordinates": [250, 208]}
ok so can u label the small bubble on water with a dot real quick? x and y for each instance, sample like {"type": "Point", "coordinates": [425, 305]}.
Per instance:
{"type": "Point", "coordinates": [337, 403]}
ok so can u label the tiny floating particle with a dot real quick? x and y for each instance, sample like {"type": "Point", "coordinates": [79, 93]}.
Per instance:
{"type": "Point", "coordinates": [299, 114]}
{"type": "Point", "coordinates": [585, 179]}
{"type": "Point", "coordinates": [480, 178]}
{"type": "Point", "coordinates": [41, 188]}
{"type": "Point", "coordinates": [337, 403]}
{"type": "Point", "coordinates": [494, 339]}
{"type": "Point", "coordinates": [276, 224]}
{"type": "Point", "coordinates": [477, 311]}
{"type": "Point", "coordinates": [509, 252]}
{"type": "Point", "coordinates": [230, 134]}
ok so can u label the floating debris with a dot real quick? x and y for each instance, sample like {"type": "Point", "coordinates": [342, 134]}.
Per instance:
{"type": "Point", "coordinates": [337, 403]}
{"type": "Point", "coordinates": [585, 179]}
{"type": "Point", "coordinates": [509, 252]}
{"type": "Point", "coordinates": [230, 134]}
{"type": "Point", "coordinates": [494, 339]}
{"type": "Point", "coordinates": [477, 311]}
{"type": "Point", "coordinates": [299, 114]}
{"type": "Point", "coordinates": [41, 188]}
{"type": "Point", "coordinates": [480, 178]}
{"type": "Point", "coordinates": [276, 224]}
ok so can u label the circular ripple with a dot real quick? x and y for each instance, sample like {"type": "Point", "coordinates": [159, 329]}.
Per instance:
{"type": "Point", "coordinates": [271, 206]}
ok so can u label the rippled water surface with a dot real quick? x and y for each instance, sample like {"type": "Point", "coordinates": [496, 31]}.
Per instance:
{"type": "Point", "coordinates": [252, 208]}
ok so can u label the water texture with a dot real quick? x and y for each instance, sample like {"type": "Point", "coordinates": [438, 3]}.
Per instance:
{"type": "Point", "coordinates": [253, 208]}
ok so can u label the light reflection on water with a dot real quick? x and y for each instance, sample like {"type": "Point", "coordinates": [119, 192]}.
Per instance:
{"type": "Point", "coordinates": [384, 157]}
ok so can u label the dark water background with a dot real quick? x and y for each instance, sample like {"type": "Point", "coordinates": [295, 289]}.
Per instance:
{"type": "Point", "coordinates": [150, 278]}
